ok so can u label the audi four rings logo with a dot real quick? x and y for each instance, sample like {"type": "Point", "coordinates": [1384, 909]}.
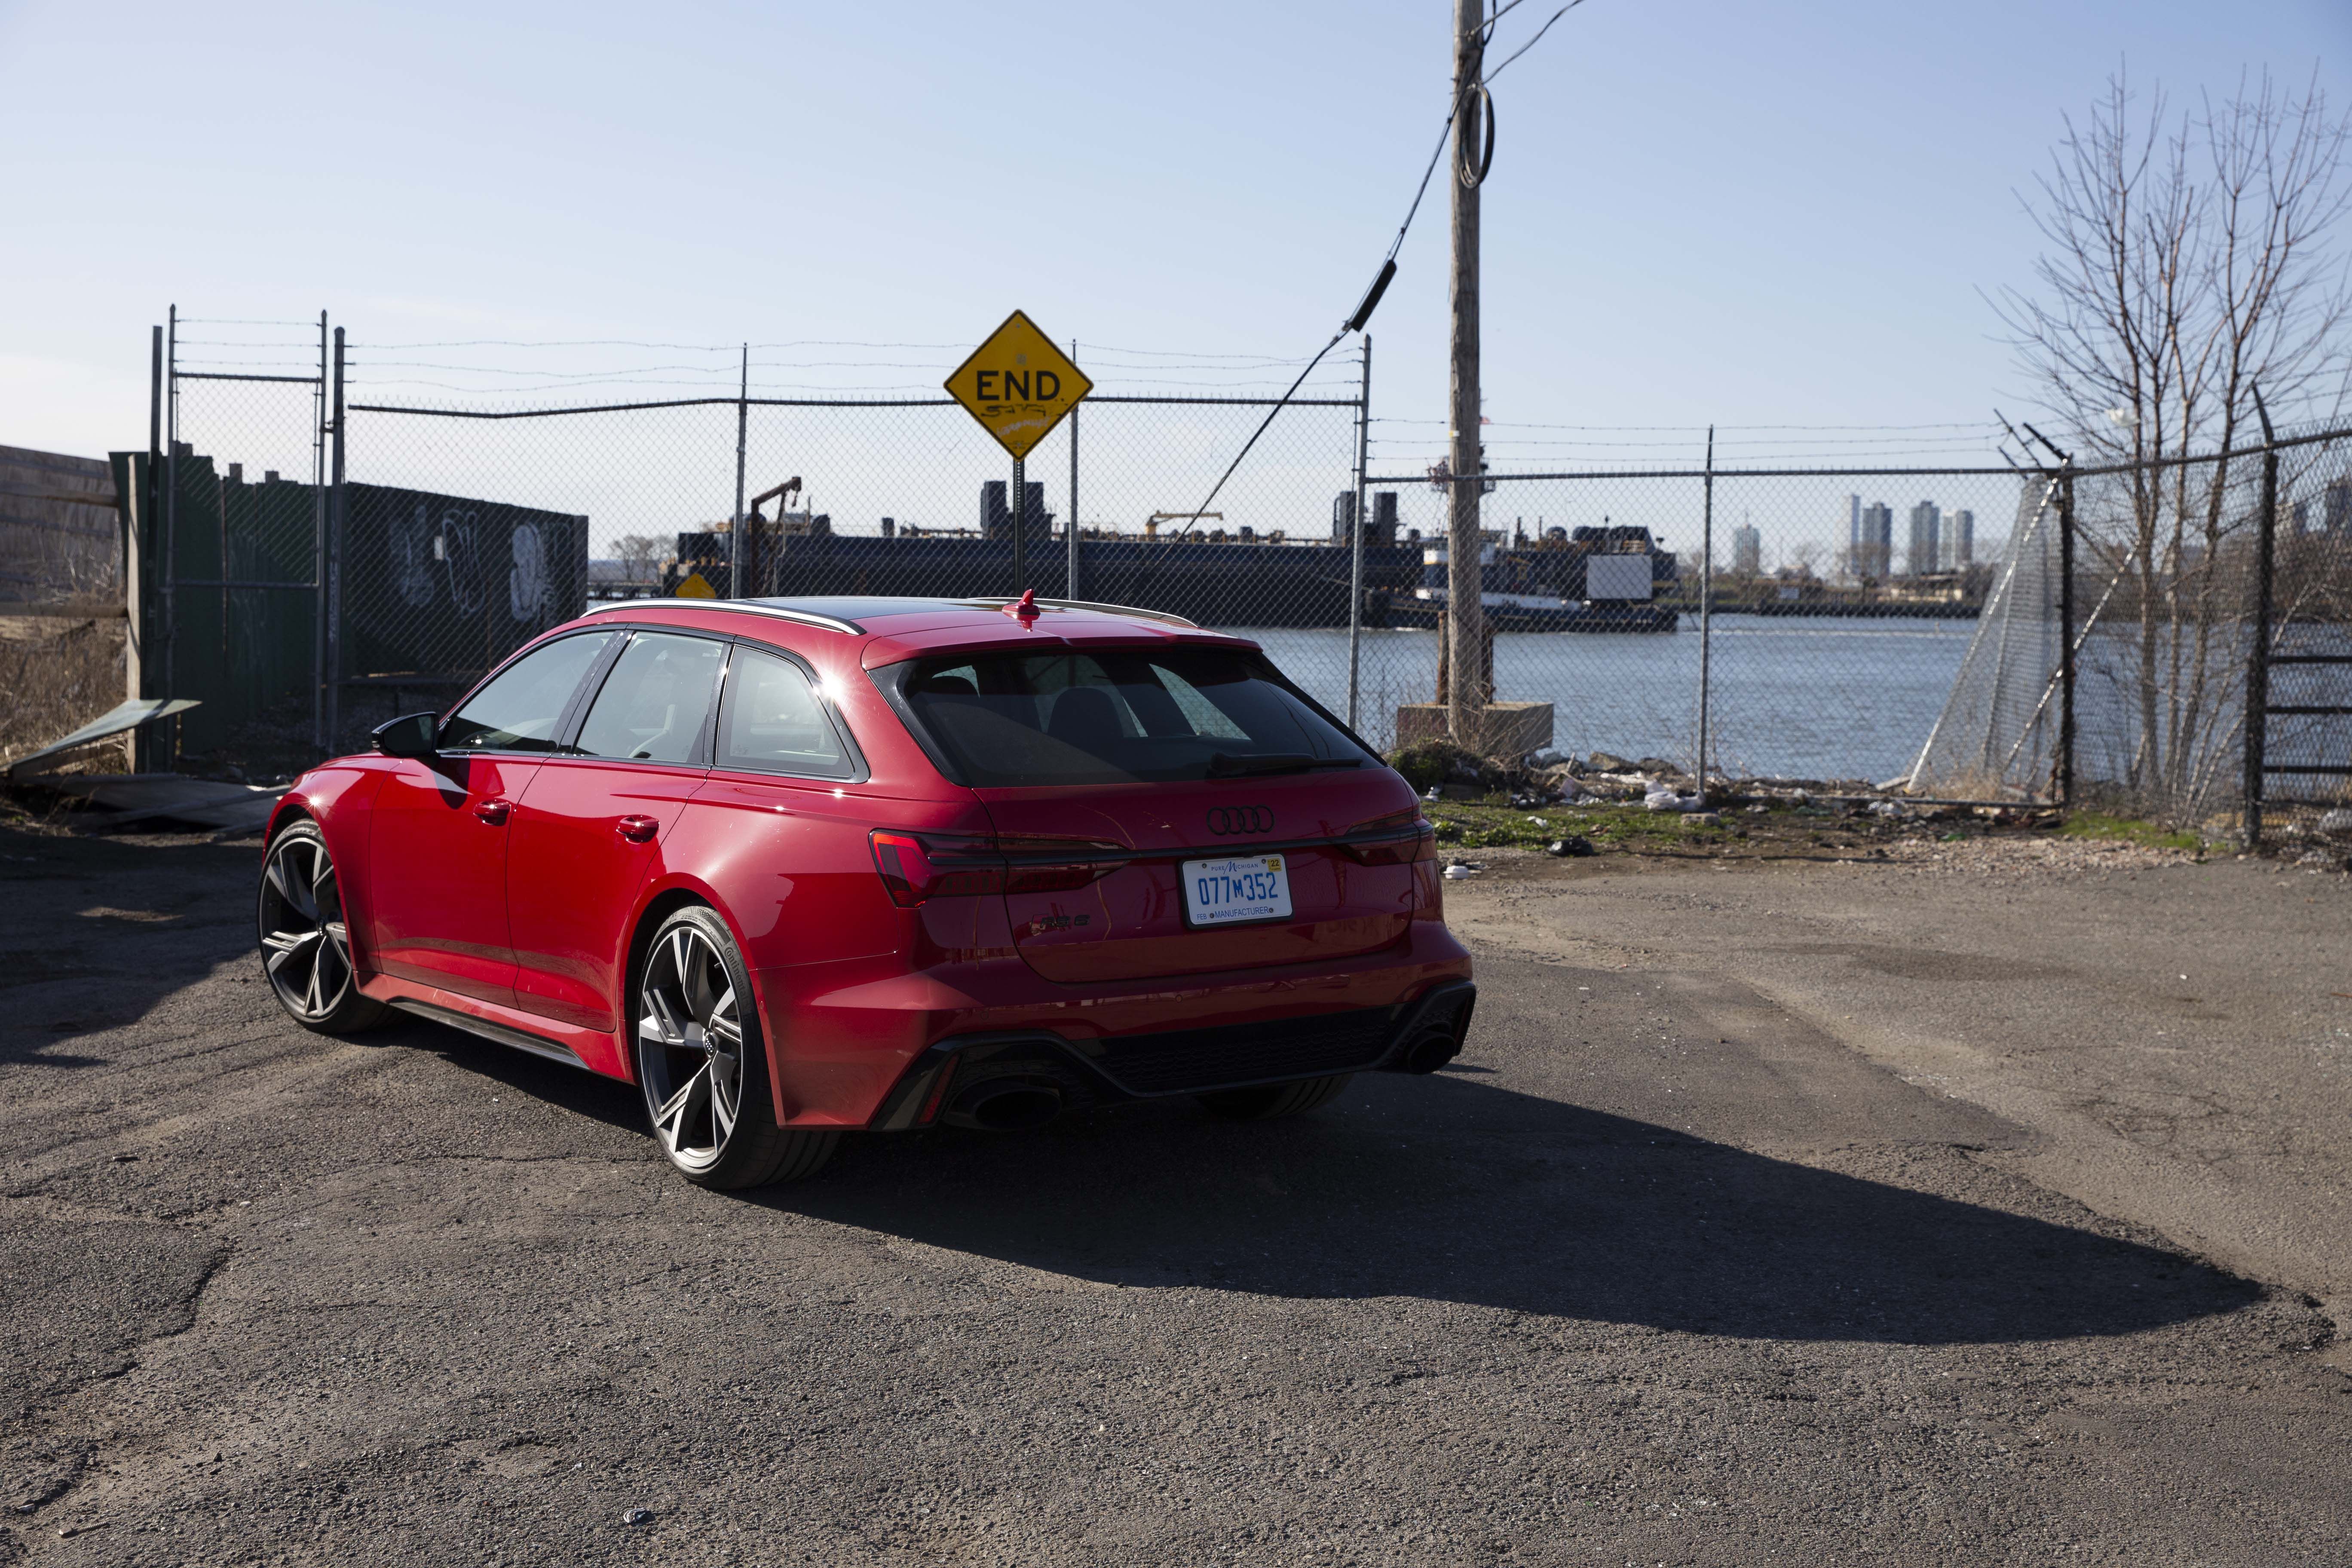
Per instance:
{"type": "Point", "coordinates": [1231, 819]}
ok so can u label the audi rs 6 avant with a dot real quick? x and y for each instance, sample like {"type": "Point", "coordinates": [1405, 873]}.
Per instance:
{"type": "Point", "coordinates": [800, 866]}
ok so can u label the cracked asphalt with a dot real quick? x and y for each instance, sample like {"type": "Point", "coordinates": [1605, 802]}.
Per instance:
{"type": "Point", "coordinates": [1839, 1214]}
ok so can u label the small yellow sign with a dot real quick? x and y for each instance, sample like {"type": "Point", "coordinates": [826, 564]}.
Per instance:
{"type": "Point", "coordinates": [696, 586]}
{"type": "Point", "coordinates": [1018, 384]}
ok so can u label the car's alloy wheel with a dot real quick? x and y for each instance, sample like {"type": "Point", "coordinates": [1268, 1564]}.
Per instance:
{"type": "Point", "coordinates": [306, 944]}
{"type": "Point", "coordinates": [690, 1041]}
{"type": "Point", "coordinates": [702, 1064]}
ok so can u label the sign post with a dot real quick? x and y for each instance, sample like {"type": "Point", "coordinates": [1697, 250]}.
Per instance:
{"type": "Point", "coordinates": [1019, 386]}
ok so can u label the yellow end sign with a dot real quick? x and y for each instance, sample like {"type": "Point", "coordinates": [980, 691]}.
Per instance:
{"type": "Point", "coordinates": [696, 586]}
{"type": "Point", "coordinates": [1018, 384]}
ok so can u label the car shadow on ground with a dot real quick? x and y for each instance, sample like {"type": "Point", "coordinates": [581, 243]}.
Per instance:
{"type": "Point", "coordinates": [576, 1089]}
{"type": "Point", "coordinates": [1454, 1190]}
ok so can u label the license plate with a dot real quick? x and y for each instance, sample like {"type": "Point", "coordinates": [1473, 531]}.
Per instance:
{"type": "Point", "coordinates": [1236, 891]}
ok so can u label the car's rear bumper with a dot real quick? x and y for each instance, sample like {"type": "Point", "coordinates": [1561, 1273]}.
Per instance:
{"type": "Point", "coordinates": [1417, 1035]}
{"type": "Point", "coordinates": [849, 1037]}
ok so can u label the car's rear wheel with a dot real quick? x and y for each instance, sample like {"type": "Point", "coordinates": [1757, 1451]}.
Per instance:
{"type": "Point", "coordinates": [306, 944]}
{"type": "Point", "coordinates": [704, 1067]}
{"type": "Point", "coordinates": [1275, 1100]}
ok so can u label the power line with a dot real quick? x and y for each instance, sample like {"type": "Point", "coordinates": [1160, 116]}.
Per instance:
{"type": "Point", "coordinates": [1532, 425]}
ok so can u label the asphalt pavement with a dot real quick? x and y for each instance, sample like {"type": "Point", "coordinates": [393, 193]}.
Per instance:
{"type": "Point", "coordinates": [1679, 1264]}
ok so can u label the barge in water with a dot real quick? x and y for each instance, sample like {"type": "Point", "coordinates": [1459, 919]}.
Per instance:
{"type": "Point", "coordinates": [1580, 580]}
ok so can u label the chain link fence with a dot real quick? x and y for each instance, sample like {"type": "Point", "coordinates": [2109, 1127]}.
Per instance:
{"type": "Point", "coordinates": [1842, 604]}
{"type": "Point", "coordinates": [1845, 628]}
{"type": "Point", "coordinates": [2206, 604]}
{"type": "Point", "coordinates": [467, 530]}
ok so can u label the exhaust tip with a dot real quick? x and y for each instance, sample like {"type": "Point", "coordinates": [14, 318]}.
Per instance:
{"type": "Point", "coordinates": [1432, 1048]}
{"type": "Point", "coordinates": [1005, 1105]}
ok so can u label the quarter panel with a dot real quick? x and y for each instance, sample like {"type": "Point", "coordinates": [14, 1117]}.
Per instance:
{"type": "Point", "coordinates": [789, 865]}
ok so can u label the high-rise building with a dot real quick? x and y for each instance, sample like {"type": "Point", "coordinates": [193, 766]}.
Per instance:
{"type": "Point", "coordinates": [1874, 541]}
{"type": "Point", "coordinates": [1960, 539]}
{"type": "Point", "coordinates": [1926, 524]}
{"type": "Point", "coordinates": [1747, 551]}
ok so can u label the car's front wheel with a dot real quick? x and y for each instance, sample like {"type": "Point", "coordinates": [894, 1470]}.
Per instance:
{"type": "Point", "coordinates": [704, 1067]}
{"type": "Point", "coordinates": [306, 943]}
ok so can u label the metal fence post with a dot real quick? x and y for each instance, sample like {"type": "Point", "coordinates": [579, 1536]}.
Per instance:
{"type": "Point", "coordinates": [1356, 533]}
{"type": "Point", "coordinates": [139, 560]}
{"type": "Point", "coordinates": [1020, 509]}
{"type": "Point", "coordinates": [737, 556]}
{"type": "Point", "coordinates": [1070, 588]}
{"type": "Point", "coordinates": [1705, 606]}
{"type": "Point", "coordinates": [169, 580]}
{"type": "Point", "coordinates": [319, 548]}
{"type": "Point", "coordinates": [338, 527]}
{"type": "Point", "coordinates": [2065, 767]}
{"type": "Point", "coordinates": [2258, 657]}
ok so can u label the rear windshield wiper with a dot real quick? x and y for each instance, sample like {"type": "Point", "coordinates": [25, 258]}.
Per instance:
{"type": "Point", "coordinates": [1223, 765]}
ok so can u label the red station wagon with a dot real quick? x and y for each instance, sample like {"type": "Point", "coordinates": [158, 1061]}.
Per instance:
{"type": "Point", "coordinates": [798, 866]}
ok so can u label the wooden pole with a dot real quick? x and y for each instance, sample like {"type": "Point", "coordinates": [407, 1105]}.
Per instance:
{"type": "Point", "coordinates": [1356, 536]}
{"type": "Point", "coordinates": [1471, 686]}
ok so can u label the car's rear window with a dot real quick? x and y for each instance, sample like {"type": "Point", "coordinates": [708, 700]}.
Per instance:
{"type": "Point", "coordinates": [1114, 717]}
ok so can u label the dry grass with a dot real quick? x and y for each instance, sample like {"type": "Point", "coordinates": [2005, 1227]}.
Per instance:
{"type": "Point", "coordinates": [54, 677]}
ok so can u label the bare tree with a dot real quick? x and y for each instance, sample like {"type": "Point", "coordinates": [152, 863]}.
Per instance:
{"type": "Point", "coordinates": [641, 556]}
{"type": "Point", "coordinates": [2189, 260]}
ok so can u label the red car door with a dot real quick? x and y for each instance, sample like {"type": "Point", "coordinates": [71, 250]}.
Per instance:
{"type": "Point", "coordinates": [438, 833]}
{"type": "Point", "coordinates": [590, 826]}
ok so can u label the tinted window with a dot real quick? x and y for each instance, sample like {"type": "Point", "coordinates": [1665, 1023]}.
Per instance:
{"type": "Point", "coordinates": [518, 710]}
{"type": "Point", "coordinates": [1116, 716]}
{"type": "Point", "coordinates": [774, 722]}
{"type": "Point", "coordinates": [652, 706]}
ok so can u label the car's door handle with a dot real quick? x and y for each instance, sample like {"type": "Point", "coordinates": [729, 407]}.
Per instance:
{"type": "Point", "coordinates": [637, 829]}
{"type": "Point", "coordinates": [494, 812]}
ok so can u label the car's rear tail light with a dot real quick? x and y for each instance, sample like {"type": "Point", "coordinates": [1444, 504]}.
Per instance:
{"type": "Point", "coordinates": [914, 868]}
{"type": "Point", "coordinates": [1393, 840]}
{"type": "Point", "coordinates": [932, 866]}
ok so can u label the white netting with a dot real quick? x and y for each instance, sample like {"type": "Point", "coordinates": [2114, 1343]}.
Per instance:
{"type": "Point", "coordinates": [1998, 735]}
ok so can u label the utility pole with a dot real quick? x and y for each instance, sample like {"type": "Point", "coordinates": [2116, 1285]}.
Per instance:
{"type": "Point", "coordinates": [1472, 685]}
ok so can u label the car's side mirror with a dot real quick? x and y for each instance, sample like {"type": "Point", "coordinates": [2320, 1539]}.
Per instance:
{"type": "Point", "coordinates": [410, 735]}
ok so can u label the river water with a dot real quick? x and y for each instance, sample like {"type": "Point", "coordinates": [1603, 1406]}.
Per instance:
{"type": "Point", "coordinates": [1842, 697]}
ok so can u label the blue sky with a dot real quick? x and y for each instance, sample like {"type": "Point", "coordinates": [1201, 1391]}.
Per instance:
{"type": "Point", "coordinates": [1700, 209]}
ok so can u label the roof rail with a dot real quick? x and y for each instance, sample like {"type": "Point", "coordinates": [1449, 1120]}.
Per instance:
{"type": "Point", "coordinates": [740, 606]}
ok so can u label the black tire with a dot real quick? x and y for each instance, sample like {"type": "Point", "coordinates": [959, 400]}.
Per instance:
{"type": "Point", "coordinates": [306, 945]}
{"type": "Point", "coordinates": [712, 1110]}
{"type": "Point", "coordinates": [1275, 1100]}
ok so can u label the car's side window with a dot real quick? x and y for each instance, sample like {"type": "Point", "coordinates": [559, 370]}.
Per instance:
{"type": "Point", "coordinates": [652, 707]}
{"type": "Point", "coordinates": [773, 722]}
{"type": "Point", "coordinates": [520, 710]}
